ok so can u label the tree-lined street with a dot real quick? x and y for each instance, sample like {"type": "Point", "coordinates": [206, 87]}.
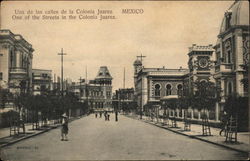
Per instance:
{"type": "Point", "coordinates": [93, 138]}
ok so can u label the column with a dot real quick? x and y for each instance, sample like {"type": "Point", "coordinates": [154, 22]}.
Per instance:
{"type": "Point", "coordinates": [223, 93]}
{"type": "Point", "coordinates": [192, 114]}
{"type": "Point", "coordinates": [238, 49]}
{"type": "Point", "coordinates": [18, 59]}
{"type": "Point", "coordinates": [178, 113]}
{"type": "Point", "coordinates": [199, 115]}
{"type": "Point", "coordinates": [217, 111]}
{"type": "Point", "coordinates": [182, 111]}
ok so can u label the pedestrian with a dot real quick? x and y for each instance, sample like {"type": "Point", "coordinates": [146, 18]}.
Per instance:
{"type": "Point", "coordinates": [116, 115]}
{"type": "Point", "coordinates": [105, 114]}
{"type": "Point", "coordinates": [108, 116]}
{"type": "Point", "coordinates": [65, 128]}
{"type": "Point", "coordinates": [100, 114]}
{"type": "Point", "coordinates": [224, 120]}
{"type": "Point", "coordinates": [96, 115]}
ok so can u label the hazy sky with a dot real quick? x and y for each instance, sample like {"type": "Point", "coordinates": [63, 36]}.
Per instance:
{"type": "Point", "coordinates": [163, 33]}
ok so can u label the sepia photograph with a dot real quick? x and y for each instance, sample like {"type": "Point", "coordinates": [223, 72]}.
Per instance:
{"type": "Point", "coordinates": [124, 80]}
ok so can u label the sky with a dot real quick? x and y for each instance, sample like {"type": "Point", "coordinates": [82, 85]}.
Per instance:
{"type": "Point", "coordinates": [163, 33]}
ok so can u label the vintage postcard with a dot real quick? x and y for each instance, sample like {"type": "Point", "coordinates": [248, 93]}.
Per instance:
{"type": "Point", "coordinates": [124, 80]}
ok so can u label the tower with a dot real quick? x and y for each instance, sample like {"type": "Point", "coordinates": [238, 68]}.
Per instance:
{"type": "Point", "coordinates": [200, 63]}
{"type": "Point", "coordinates": [137, 68]}
{"type": "Point", "coordinates": [104, 80]}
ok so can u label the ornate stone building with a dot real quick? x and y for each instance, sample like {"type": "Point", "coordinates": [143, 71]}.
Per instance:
{"type": "Point", "coordinates": [15, 62]}
{"type": "Point", "coordinates": [227, 70]}
{"type": "Point", "coordinates": [232, 51]}
{"type": "Point", "coordinates": [96, 93]}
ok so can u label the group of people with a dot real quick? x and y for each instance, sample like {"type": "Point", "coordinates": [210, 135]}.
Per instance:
{"type": "Point", "coordinates": [106, 115]}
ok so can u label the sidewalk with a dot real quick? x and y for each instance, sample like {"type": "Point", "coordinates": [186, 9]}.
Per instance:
{"type": "Point", "coordinates": [196, 132]}
{"type": "Point", "coordinates": [6, 139]}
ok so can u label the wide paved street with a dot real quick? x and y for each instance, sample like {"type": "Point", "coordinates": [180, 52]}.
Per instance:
{"type": "Point", "coordinates": [96, 139]}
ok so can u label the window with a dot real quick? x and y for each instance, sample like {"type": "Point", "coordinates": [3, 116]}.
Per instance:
{"type": "Point", "coordinates": [179, 90]}
{"type": "Point", "coordinates": [12, 58]}
{"type": "Point", "coordinates": [230, 88]}
{"type": "Point", "coordinates": [168, 91]}
{"type": "Point", "coordinates": [157, 90]}
{"type": "Point", "coordinates": [229, 56]}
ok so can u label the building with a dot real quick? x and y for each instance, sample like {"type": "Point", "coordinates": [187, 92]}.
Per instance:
{"type": "Point", "coordinates": [227, 70]}
{"type": "Point", "coordinates": [232, 51]}
{"type": "Point", "coordinates": [42, 81]}
{"type": "Point", "coordinates": [155, 84]}
{"type": "Point", "coordinates": [124, 99]}
{"type": "Point", "coordinates": [16, 56]}
{"type": "Point", "coordinates": [96, 93]}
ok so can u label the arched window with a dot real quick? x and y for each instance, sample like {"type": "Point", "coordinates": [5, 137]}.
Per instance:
{"type": "Point", "coordinates": [168, 91]}
{"type": "Point", "coordinates": [179, 90]}
{"type": "Point", "coordinates": [230, 88]}
{"type": "Point", "coordinates": [157, 90]}
{"type": "Point", "coordinates": [229, 56]}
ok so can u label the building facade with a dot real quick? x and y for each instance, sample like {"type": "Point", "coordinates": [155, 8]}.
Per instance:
{"type": "Point", "coordinates": [16, 56]}
{"type": "Point", "coordinates": [124, 99]}
{"type": "Point", "coordinates": [227, 70]}
{"type": "Point", "coordinates": [97, 93]}
{"type": "Point", "coordinates": [232, 51]}
{"type": "Point", "coordinates": [42, 81]}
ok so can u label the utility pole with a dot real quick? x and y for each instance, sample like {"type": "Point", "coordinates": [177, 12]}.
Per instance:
{"type": "Point", "coordinates": [86, 89]}
{"type": "Point", "coordinates": [124, 78]}
{"type": "Point", "coordinates": [141, 57]}
{"type": "Point", "coordinates": [62, 54]}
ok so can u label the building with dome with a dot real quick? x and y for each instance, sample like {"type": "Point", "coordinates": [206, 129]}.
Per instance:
{"type": "Point", "coordinates": [232, 50]}
{"type": "Point", "coordinates": [227, 71]}
{"type": "Point", "coordinates": [232, 59]}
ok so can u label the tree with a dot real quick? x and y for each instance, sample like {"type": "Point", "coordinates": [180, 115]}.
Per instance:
{"type": "Point", "coordinates": [204, 99]}
{"type": "Point", "coordinates": [237, 107]}
{"type": "Point", "coordinates": [173, 104]}
{"type": "Point", "coordinates": [4, 96]}
{"type": "Point", "coordinates": [184, 102]}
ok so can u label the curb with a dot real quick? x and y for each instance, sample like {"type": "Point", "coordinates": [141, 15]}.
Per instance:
{"type": "Point", "coordinates": [28, 136]}
{"type": "Point", "coordinates": [35, 134]}
{"type": "Point", "coordinates": [193, 137]}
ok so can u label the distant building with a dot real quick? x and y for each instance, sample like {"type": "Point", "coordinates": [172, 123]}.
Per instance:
{"type": "Point", "coordinates": [124, 99]}
{"type": "Point", "coordinates": [42, 81]}
{"type": "Point", "coordinates": [15, 62]}
{"type": "Point", "coordinates": [98, 92]}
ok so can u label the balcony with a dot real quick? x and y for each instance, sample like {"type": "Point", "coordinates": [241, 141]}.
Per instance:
{"type": "Point", "coordinates": [225, 67]}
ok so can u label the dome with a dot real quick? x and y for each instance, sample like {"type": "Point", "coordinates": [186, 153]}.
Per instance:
{"type": "Point", "coordinates": [137, 62]}
{"type": "Point", "coordinates": [239, 13]}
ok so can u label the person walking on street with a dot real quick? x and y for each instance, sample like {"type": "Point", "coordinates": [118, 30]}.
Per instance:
{"type": "Point", "coordinates": [96, 115]}
{"type": "Point", "coordinates": [65, 128]}
{"type": "Point", "coordinates": [100, 114]}
{"type": "Point", "coordinates": [108, 116]}
{"type": "Point", "coordinates": [116, 115]}
{"type": "Point", "coordinates": [224, 120]}
{"type": "Point", "coordinates": [105, 114]}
